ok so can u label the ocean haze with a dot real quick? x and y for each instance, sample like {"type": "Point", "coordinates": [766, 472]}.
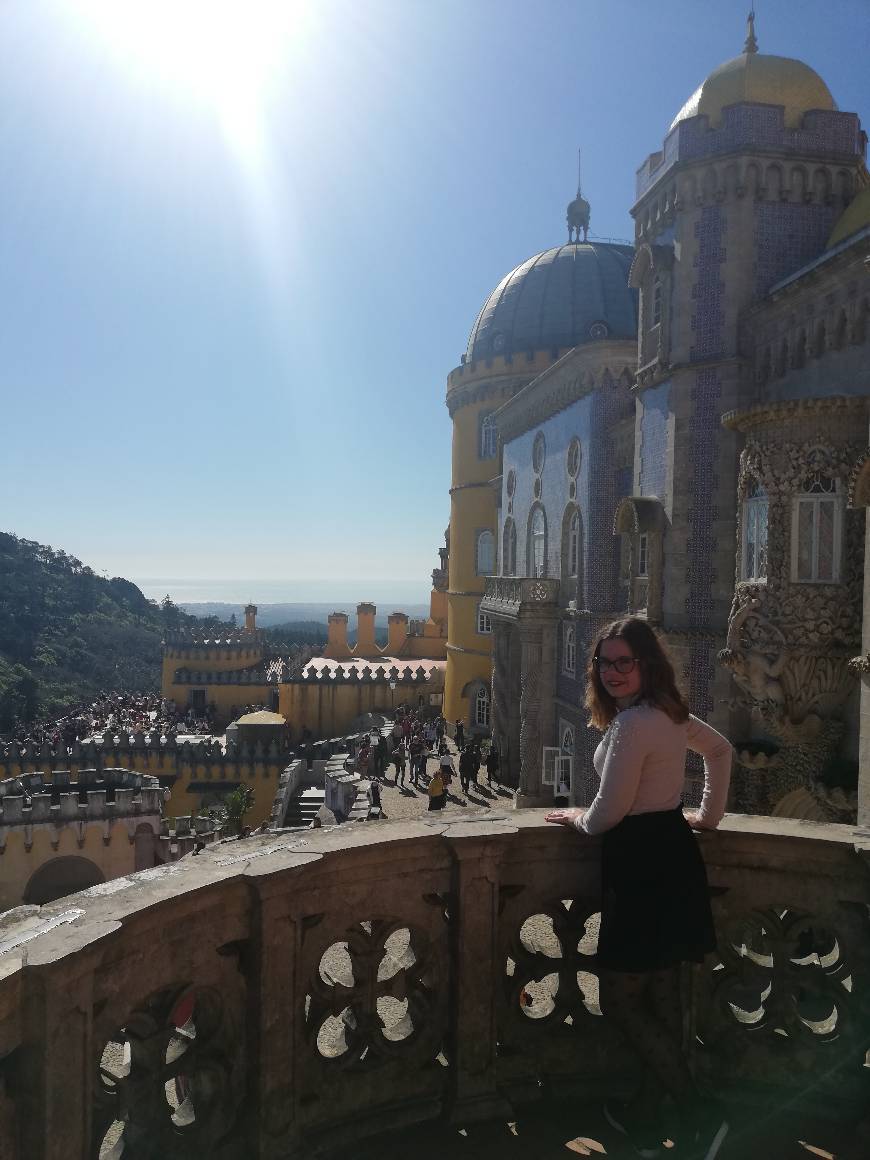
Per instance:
{"type": "Point", "coordinates": [339, 594]}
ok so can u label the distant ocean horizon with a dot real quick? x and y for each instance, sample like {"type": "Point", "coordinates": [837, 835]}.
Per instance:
{"type": "Point", "coordinates": [202, 591]}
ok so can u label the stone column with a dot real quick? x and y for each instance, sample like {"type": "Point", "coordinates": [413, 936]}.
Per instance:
{"type": "Point", "coordinates": [537, 684]}
{"type": "Point", "coordinates": [478, 848]}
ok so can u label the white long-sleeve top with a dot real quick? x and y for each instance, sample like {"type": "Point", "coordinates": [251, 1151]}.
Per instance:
{"type": "Point", "coordinates": [641, 763]}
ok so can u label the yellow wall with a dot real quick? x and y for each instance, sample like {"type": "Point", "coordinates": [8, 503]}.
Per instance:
{"type": "Point", "coordinates": [223, 696]}
{"type": "Point", "coordinates": [328, 709]}
{"type": "Point", "coordinates": [114, 859]}
{"type": "Point", "coordinates": [206, 659]}
{"type": "Point", "coordinates": [472, 509]}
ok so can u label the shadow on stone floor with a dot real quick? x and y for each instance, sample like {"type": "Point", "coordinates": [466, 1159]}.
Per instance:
{"type": "Point", "coordinates": [550, 1131]}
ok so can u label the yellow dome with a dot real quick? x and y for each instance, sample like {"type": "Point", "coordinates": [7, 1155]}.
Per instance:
{"type": "Point", "coordinates": [763, 80]}
{"type": "Point", "coordinates": [855, 217]}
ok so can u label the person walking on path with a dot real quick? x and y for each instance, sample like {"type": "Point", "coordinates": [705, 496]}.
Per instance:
{"type": "Point", "coordinates": [467, 767]}
{"type": "Point", "coordinates": [399, 760]}
{"type": "Point", "coordinates": [655, 909]}
{"type": "Point", "coordinates": [437, 792]}
{"type": "Point", "coordinates": [459, 735]}
{"type": "Point", "coordinates": [417, 750]}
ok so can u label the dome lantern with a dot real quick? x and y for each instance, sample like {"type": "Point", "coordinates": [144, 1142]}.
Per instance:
{"type": "Point", "coordinates": [750, 45]}
{"type": "Point", "coordinates": [579, 209]}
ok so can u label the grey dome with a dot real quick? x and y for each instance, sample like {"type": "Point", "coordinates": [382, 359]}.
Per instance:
{"type": "Point", "coordinates": [555, 299]}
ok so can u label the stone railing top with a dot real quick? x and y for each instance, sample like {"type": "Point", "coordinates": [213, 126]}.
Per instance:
{"type": "Point", "coordinates": [295, 956]}
{"type": "Point", "coordinates": [507, 594]}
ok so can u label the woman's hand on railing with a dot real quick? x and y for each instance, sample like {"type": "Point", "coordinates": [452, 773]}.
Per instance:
{"type": "Point", "coordinates": [563, 817]}
{"type": "Point", "coordinates": [694, 820]}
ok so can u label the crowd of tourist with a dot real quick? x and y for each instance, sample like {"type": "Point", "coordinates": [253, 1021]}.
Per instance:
{"type": "Point", "coordinates": [119, 714]}
{"type": "Point", "coordinates": [410, 745]}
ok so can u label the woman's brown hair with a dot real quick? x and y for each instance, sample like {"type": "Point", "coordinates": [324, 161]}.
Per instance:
{"type": "Point", "coordinates": [658, 683]}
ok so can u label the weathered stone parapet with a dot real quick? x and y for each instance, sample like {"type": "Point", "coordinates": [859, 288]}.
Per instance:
{"type": "Point", "coordinates": [307, 989]}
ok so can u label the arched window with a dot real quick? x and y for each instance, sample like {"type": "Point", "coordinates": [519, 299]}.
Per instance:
{"type": "Point", "coordinates": [537, 553]}
{"type": "Point", "coordinates": [574, 545]}
{"type": "Point", "coordinates": [481, 707]}
{"type": "Point", "coordinates": [569, 650]}
{"type": "Point", "coordinates": [509, 548]}
{"type": "Point", "coordinates": [488, 437]}
{"type": "Point", "coordinates": [817, 529]}
{"type": "Point", "coordinates": [753, 564]}
{"type": "Point", "coordinates": [485, 553]}
{"type": "Point", "coordinates": [566, 738]}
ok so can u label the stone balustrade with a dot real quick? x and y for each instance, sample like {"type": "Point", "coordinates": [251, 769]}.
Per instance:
{"type": "Point", "coordinates": [507, 594]}
{"type": "Point", "coordinates": [303, 990]}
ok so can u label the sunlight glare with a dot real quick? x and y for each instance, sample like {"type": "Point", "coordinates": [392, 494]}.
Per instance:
{"type": "Point", "coordinates": [221, 53]}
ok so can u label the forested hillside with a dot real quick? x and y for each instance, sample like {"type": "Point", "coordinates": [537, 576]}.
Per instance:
{"type": "Point", "coordinates": [67, 633]}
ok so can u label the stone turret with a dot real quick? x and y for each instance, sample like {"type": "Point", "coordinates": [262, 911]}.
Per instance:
{"type": "Point", "coordinates": [398, 632]}
{"type": "Point", "coordinates": [250, 619]}
{"type": "Point", "coordinates": [365, 631]}
{"type": "Point", "coordinates": [336, 645]}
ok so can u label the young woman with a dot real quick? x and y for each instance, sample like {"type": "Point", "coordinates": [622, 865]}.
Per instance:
{"type": "Point", "coordinates": [655, 910]}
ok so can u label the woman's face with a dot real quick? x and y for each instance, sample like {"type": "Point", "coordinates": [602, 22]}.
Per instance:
{"type": "Point", "coordinates": [615, 653]}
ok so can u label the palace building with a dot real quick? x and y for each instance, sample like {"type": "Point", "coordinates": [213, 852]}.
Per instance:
{"type": "Point", "coordinates": [678, 430]}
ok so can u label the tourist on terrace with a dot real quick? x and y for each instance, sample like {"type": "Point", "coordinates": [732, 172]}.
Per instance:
{"type": "Point", "coordinates": [655, 910]}
{"type": "Point", "coordinates": [459, 735]}
{"type": "Point", "coordinates": [492, 764]}
{"type": "Point", "coordinates": [400, 755]}
{"type": "Point", "coordinates": [437, 792]}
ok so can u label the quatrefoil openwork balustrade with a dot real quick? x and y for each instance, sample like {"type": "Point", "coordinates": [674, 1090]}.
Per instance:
{"type": "Point", "coordinates": [784, 973]}
{"type": "Point", "coordinates": [551, 974]}
{"type": "Point", "coordinates": [373, 997]}
{"type": "Point", "coordinates": [169, 1083]}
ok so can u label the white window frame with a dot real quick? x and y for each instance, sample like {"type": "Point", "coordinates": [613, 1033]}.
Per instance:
{"type": "Point", "coordinates": [487, 447]}
{"type": "Point", "coordinates": [755, 515]}
{"type": "Point", "coordinates": [569, 650]}
{"type": "Point", "coordinates": [481, 698]}
{"type": "Point", "coordinates": [484, 622]}
{"type": "Point", "coordinates": [477, 550]}
{"type": "Point", "coordinates": [557, 768]}
{"type": "Point", "coordinates": [815, 500]}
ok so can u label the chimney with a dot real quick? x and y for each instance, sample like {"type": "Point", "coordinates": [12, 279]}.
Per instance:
{"type": "Point", "coordinates": [336, 644]}
{"type": "Point", "coordinates": [250, 619]}
{"type": "Point", "coordinates": [365, 631]}
{"type": "Point", "coordinates": [398, 631]}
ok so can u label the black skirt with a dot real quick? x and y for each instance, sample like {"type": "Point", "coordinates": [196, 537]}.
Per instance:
{"type": "Point", "coordinates": [655, 907]}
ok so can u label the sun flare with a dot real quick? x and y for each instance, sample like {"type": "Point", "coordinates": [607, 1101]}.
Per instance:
{"type": "Point", "coordinates": [222, 53]}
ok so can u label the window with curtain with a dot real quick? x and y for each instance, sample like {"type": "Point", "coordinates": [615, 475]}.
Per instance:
{"type": "Point", "coordinates": [488, 437]}
{"type": "Point", "coordinates": [485, 554]}
{"type": "Point", "coordinates": [753, 564]}
{"type": "Point", "coordinates": [481, 707]}
{"type": "Point", "coordinates": [817, 531]}
{"type": "Point", "coordinates": [569, 650]}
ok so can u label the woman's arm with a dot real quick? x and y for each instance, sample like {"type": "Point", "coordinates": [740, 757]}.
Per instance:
{"type": "Point", "coordinates": [717, 753]}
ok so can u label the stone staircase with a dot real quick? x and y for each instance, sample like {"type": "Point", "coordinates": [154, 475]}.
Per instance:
{"type": "Point", "coordinates": [303, 805]}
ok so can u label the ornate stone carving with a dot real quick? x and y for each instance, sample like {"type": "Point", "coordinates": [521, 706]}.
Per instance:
{"type": "Point", "coordinates": [171, 1080]}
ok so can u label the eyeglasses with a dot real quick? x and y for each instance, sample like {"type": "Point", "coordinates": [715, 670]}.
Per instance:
{"type": "Point", "coordinates": [621, 664]}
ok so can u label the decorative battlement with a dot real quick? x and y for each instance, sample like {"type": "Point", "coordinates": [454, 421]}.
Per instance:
{"type": "Point", "coordinates": [187, 640]}
{"type": "Point", "coordinates": [33, 798]}
{"type": "Point", "coordinates": [749, 127]}
{"type": "Point", "coordinates": [353, 674]}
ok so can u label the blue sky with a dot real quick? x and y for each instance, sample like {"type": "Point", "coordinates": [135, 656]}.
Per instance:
{"type": "Point", "coordinates": [233, 280]}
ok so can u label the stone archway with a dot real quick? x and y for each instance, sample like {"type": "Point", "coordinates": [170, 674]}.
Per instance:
{"type": "Point", "coordinates": [61, 876]}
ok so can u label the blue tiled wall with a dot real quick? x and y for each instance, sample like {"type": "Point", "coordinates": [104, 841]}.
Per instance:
{"type": "Point", "coordinates": [600, 485]}
{"type": "Point", "coordinates": [653, 451]}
